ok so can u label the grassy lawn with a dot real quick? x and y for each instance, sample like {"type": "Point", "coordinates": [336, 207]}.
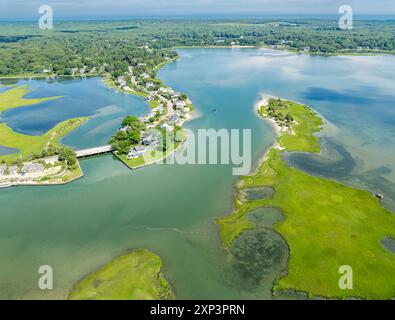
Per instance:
{"type": "Point", "coordinates": [133, 276]}
{"type": "Point", "coordinates": [155, 156]}
{"type": "Point", "coordinates": [326, 225]}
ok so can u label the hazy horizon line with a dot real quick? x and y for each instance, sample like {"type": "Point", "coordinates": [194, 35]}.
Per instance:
{"type": "Point", "coordinates": [207, 17]}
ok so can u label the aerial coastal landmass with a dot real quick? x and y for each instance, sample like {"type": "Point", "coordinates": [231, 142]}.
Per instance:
{"type": "Point", "coordinates": [136, 275]}
{"type": "Point", "coordinates": [124, 229]}
{"type": "Point", "coordinates": [334, 219]}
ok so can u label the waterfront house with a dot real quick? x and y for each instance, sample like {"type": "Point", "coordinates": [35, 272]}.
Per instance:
{"type": "Point", "coordinates": [149, 85]}
{"type": "Point", "coordinates": [32, 168]}
{"type": "Point", "coordinates": [150, 140]}
{"type": "Point", "coordinates": [171, 93]}
{"type": "Point", "coordinates": [125, 129]}
{"type": "Point", "coordinates": [180, 104]}
{"type": "Point", "coordinates": [13, 170]}
{"type": "Point", "coordinates": [3, 169]}
{"type": "Point", "coordinates": [136, 152]}
{"type": "Point", "coordinates": [121, 81]}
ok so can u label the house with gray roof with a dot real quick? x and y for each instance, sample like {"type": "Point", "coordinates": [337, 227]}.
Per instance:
{"type": "Point", "coordinates": [136, 152]}
{"type": "Point", "coordinates": [3, 169]}
{"type": "Point", "coordinates": [13, 170]}
{"type": "Point", "coordinates": [150, 140]}
{"type": "Point", "coordinates": [32, 168]}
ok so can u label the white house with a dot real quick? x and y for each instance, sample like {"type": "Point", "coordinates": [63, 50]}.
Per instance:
{"type": "Point", "coordinates": [127, 128]}
{"type": "Point", "coordinates": [180, 104]}
{"type": "Point", "coordinates": [121, 81]}
{"type": "Point", "coordinates": [32, 168]}
{"type": "Point", "coordinates": [149, 85]}
{"type": "Point", "coordinates": [13, 170]}
{"type": "Point", "coordinates": [167, 127]}
{"type": "Point", "coordinates": [136, 152]}
{"type": "Point", "coordinates": [3, 169]}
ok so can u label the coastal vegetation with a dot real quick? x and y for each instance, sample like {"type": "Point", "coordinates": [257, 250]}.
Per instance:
{"type": "Point", "coordinates": [134, 276]}
{"type": "Point", "coordinates": [123, 140]}
{"type": "Point", "coordinates": [166, 143]}
{"type": "Point", "coordinates": [300, 121]}
{"type": "Point", "coordinates": [155, 156]}
{"type": "Point", "coordinates": [14, 98]}
{"type": "Point", "coordinates": [31, 146]}
{"type": "Point", "coordinates": [110, 47]}
{"type": "Point", "coordinates": [326, 224]}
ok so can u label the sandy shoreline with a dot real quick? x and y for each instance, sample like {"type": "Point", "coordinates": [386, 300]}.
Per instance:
{"type": "Point", "coordinates": [328, 128]}
{"type": "Point", "coordinates": [277, 129]}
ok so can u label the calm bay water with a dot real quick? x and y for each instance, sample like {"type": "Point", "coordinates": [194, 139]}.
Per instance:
{"type": "Point", "coordinates": [79, 97]}
{"type": "Point", "coordinates": [171, 209]}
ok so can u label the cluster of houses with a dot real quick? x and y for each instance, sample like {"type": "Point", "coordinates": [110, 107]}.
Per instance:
{"type": "Point", "coordinates": [27, 168]}
{"type": "Point", "coordinates": [171, 110]}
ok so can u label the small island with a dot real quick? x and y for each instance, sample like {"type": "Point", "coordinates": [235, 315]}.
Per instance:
{"type": "Point", "coordinates": [326, 224]}
{"type": "Point", "coordinates": [134, 276]}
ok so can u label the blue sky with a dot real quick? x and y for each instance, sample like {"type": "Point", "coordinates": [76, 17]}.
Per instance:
{"type": "Point", "coordinates": [27, 9]}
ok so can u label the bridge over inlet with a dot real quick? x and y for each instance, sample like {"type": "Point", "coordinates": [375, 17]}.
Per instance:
{"type": "Point", "coordinates": [94, 151]}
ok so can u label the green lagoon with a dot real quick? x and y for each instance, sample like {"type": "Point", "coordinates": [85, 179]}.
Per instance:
{"type": "Point", "coordinates": [171, 209]}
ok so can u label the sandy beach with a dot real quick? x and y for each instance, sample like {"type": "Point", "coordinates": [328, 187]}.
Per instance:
{"type": "Point", "coordinates": [263, 101]}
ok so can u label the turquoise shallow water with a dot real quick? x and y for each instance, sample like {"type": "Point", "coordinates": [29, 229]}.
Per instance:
{"type": "Point", "coordinates": [171, 209]}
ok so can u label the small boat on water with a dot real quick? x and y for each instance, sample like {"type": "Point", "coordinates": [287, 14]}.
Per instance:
{"type": "Point", "coordinates": [215, 110]}
{"type": "Point", "coordinates": [379, 196]}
